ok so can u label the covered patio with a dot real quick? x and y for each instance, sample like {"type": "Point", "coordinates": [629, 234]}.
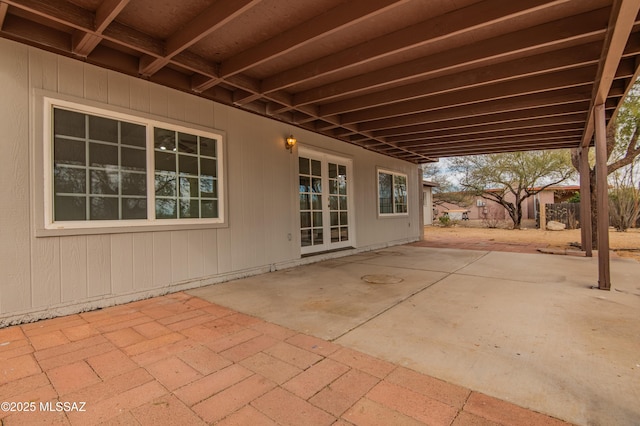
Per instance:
{"type": "Point", "coordinates": [409, 79]}
{"type": "Point", "coordinates": [366, 91]}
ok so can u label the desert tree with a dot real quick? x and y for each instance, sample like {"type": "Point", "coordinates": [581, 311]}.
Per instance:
{"type": "Point", "coordinates": [510, 178]}
{"type": "Point", "coordinates": [623, 148]}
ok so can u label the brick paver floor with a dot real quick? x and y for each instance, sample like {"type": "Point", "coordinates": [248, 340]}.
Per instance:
{"type": "Point", "coordinates": [179, 360]}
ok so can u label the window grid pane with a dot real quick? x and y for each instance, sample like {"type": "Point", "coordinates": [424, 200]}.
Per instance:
{"type": "Point", "coordinates": [392, 193]}
{"type": "Point", "coordinates": [186, 175]}
{"type": "Point", "coordinates": [88, 158]}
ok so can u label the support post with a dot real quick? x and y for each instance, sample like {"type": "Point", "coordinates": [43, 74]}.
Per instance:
{"type": "Point", "coordinates": [585, 202]}
{"type": "Point", "coordinates": [543, 216]}
{"type": "Point", "coordinates": [421, 202]}
{"type": "Point", "coordinates": [604, 272]}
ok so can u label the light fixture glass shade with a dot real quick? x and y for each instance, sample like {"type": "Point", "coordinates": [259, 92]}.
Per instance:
{"type": "Point", "coordinates": [291, 141]}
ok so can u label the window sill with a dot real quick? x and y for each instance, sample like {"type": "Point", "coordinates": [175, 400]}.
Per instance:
{"type": "Point", "coordinates": [151, 227]}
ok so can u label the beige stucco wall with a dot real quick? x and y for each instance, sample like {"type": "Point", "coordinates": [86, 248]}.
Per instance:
{"type": "Point", "coordinates": [52, 275]}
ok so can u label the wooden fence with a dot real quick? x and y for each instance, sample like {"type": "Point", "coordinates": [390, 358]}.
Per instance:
{"type": "Point", "coordinates": [567, 213]}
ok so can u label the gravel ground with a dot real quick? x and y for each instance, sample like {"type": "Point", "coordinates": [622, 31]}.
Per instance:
{"type": "Point", "coordinates": [625, 244]}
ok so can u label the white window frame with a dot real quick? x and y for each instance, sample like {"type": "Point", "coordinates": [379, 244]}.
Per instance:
{"type": "Point", "coordinates": [131, 225]}
{"type": "Point", "coordinates": [393, 204]}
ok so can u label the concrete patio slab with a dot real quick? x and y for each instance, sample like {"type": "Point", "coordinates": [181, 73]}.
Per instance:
{"type": "Point", "coordinates": [526, 328]}
{"type": "Point", "coordinates": [328, 299]}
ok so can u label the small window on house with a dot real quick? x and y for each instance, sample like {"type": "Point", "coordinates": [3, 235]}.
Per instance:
{"type": "Point", "coordinates": [109, 169]}
{"type": "Point", "coordinates": [392, 193]}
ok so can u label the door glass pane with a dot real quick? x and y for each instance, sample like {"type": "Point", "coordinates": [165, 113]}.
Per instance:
{"type": "Point", "coordinates": [305, 237]}
{"type": "Point", "coordinates": [317, 219]}
{"type": "Point", "coordinates": [334, 219]}
{"type": "Point", "coordinates": [305, 184]}
{"type": "Point", "coordinates": [305, 202]}
{"type": "Point", "coordinates": [335, 235]}
{"type": "Point", "coordinates": [316, 168]}
{"type": "Point", "coordinates": [316, 185]}
{"type": "Point", "coordinates": [305, 220]}
{"type": "Point", "coordinates": [343, 218]}
{"type": "Point", "coordinates": [333, 171]}
{"type": "Point", "coordinates": [333, 203]}
{"type": "Point", "coordinates": [304, 166]}
{"type": "Point", "coordinates": [315, 202]}
{"type": "Point", "coordinates": [343, 203]}
{"type": "Point", "coordinates": [318, 237]}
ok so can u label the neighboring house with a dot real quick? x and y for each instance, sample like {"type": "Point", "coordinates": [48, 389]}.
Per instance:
{"type": "Point", "coordinates": [480, 208]}
{"type": "Point", "coordinates": [206, 193]}
{"type": "Point", "coordinates": [429, 211]}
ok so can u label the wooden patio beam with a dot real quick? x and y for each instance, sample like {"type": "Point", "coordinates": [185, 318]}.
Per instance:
{"type": "Point", "coordinates": [553, 114]}
{"type": "Point", "coordinates": [338, 18]}
{"type": "Point", "coordinates": [511, 89]}
{"type": "Point", "coordinates": [83, 42]}
{"type": "Point", "coordinates": [512, 136]}
{"type": "Point", "coordinates": [471, 150]}
{"type": "Point", "coordinates": [580, 29]}
{"type": "Point", "coordinates": [536, 100]}
{"type": "Point", "coordinates": [453, 23]}
{"type": "Point", "coordinates": [441, 145]}
{"type": "Point", "coordinates": [3, 13]}
{"type": "Point", "coordinates": [622, 20]}
{"type": "Point", "coordinates": [570, 58]}
{"type": "Point", "coordinates": [204, 24]}
{"type": "Point", "coordinates": [534, 126]}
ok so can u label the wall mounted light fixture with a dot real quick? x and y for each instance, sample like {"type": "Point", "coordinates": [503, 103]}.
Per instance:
{"type": "Point", "coordinates": [289, 143]}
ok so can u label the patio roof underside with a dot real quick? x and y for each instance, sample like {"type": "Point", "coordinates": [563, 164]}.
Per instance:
{"type": "Point", "coordinates": [414, 80]}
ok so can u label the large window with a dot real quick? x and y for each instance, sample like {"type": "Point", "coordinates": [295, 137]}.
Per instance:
{"type": "Point", "coordinates": [111, 169]}
{"type": "Point", "coordinates": [392, 193]}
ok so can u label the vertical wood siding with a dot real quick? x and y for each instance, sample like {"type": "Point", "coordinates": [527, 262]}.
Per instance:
{"type": "Point", "coordinates": [48, 272]}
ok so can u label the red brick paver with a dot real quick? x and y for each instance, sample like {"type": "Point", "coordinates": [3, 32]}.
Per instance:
{"type": "Point", "coordinates": [178, 359]}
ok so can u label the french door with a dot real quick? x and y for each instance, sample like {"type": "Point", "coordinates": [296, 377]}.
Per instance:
{"type": "Point", "coordinates": [325, 193]}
